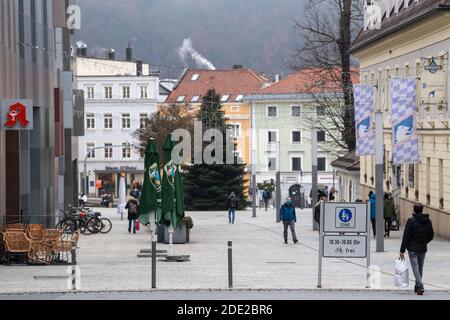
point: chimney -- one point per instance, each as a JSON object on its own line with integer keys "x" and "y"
{"x": 277, "y": 78}
{"x": 139, "y": 68}
{"x": 237, "y": 66}
{"x": 81, "y": 49}
{"x": 111, "y": 54}
{"x": 129, "y": 53}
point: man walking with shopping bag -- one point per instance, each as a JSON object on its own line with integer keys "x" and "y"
{"x": 418, "y": 233}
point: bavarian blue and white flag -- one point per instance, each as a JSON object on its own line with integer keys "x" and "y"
{"x": 364, "y": 104}
{"x": 405, "y": 141}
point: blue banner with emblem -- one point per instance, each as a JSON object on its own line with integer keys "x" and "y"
{"x": 404, "y": 128}
{"x": 364, "y": 107}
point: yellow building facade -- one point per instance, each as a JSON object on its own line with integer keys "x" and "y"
{"x": 414, "y": 42}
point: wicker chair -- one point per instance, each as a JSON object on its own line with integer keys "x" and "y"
{"x": 63, "y": 247}
{"x": 2, "y": 248}
{"x": 15, "y": 227}
{"x": 35, "y": 232}
{"x": 16, "y": 244}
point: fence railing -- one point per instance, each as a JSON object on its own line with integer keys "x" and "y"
{"x": 48, "y": 221}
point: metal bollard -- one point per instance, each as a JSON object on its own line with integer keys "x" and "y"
{"x": 154, "y": 263}
{"x": 74, "y": 264}
{"x": 230, "y": 264}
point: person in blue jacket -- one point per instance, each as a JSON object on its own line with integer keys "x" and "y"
{"x": 289, "y": 218}
{"x": 373, "y": 212}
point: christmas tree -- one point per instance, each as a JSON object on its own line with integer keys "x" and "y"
{"x": 208, "y": 186}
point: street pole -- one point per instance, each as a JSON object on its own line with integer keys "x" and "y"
{"x": 314, "y": 175}
{"x": 379, "y": 180}
{"x": 278, "y": 197}
{"x": 254, "y": 189}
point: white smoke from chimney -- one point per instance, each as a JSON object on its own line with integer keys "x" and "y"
{"x": 187, "y": 50}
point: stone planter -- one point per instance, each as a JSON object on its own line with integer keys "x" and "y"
{"x": 180, "y": 235}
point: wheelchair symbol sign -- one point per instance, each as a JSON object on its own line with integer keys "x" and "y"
{"x": 345, "y": 218}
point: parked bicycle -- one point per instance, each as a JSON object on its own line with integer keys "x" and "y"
{"x": 85, "y": 220}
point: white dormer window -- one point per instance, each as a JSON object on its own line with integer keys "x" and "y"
{"x": 195, "y": 77}
{"x": 225, "y": 98}
{"x": 195, "y": 99}
{"x": 181, "y": 98}
{"x": 239, "y": 98}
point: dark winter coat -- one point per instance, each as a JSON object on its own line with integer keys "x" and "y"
{"x": 389, "y": 208}
{"x": 317, "y": 213}
{"x": 287, "y": 213}
{"x": 373, "y": 208}
{"x": 418, "y": 233}
{"x": 232, "y": 202}
{"x": 132, "y": 216}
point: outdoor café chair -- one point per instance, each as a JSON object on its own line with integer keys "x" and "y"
{"x": 16, "y": 244}
{"x": 63, "y": 247}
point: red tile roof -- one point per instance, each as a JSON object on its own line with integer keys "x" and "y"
{"x": 310, "y": 80}
{"x": 233, "y": 82}
{"x": 414, "y": 12}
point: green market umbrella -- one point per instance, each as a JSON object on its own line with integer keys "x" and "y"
{"x": 150, "y": 200}
{"x": 172, "y": 189}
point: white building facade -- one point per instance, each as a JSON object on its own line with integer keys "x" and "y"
{"x": 116, "y": 106}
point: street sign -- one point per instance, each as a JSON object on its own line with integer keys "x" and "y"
{"x": 345, "y": 246}
{"x": 16, "y": 114}
{"x": 345, "y": 218}
{"x": 344, "y": 233}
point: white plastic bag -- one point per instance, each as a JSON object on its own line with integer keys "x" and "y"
{"x": 401, "y": 276}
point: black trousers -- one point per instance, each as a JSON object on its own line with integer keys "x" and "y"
{"x": 387, "y": 225}
{"x": 374, "y": 226}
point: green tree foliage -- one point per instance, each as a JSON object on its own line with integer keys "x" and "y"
{"x": 207, "y": 187}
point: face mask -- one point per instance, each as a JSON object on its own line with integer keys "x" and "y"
{"x": 289, "y": 202}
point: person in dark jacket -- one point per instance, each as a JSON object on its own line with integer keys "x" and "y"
{"x": 389, "y": 212}
{"x": 289, "y": 218}
{"x": 232, "y": 205}
{"x": 373, "y": 212}
{"x": 317, "y": 210}
{"x": 266, "y": 198}
{"x": 418, "y": 233}
{"x": 132, "y": 206}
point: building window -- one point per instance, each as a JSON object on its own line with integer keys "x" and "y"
{"x": 272, "y": 112}
{"x": 296, "y": 111}
{"x": 296, "y": 137}
{"x": 272, "y": 164}
{"x": 271, "y": 136}
{"x": 181, "y": 98}
{"x": 239, "y": 98}
{"x": 90, "y": 121}
{"x": 126, "y": 151}
{"x": 90, "y": 151}
{"x": 236, "y": 129}
{"x": 90, "y": 93}
{"x": 321, "y": 164}
{"x": 195, "y": 77}
{"x": 225, "y": 98}
{"x": 235, "y": 109}
{"x": 321, "y": 136}
{"x": 126, "y": 92}
{"x": 108, "y": 151}
{"x": 195, "y": 99}
{"x": 126, "y": 121}
{"x": 296, "y": 164}
{"x": 143, "y": 120}
{"x": 321, "y": 111}
{"x": 144, "y": 92}
{"x": 108, "y": 121}
{"x": 108, "y": 92}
